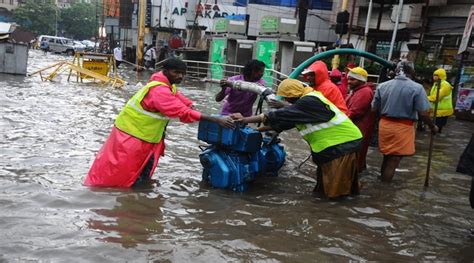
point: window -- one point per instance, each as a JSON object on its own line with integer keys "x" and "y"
{"x": 11, "y": 2}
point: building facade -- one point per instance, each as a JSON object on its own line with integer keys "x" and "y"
{"x": 12, "y": 4}
{"x": 182, "y": 14}
{"x": 9, "y": 4}
{"x": 432, "y": 30}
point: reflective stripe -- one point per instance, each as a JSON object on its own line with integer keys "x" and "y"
{"x": 150, "y": 114}
{"x": 316, "y": 127}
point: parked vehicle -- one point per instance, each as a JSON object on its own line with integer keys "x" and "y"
{"x": 78, "y": 46}
{"x": 59, "y": 44}
{"x": 90, "y": 45}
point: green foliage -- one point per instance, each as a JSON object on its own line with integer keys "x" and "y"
{"x": 37, "y": 16}
{"x": 79, "y": 21}
{"x": 425, "y": 71}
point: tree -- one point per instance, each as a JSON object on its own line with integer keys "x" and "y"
{"x": 36, "y": 16}
{"x": 79, "y": 21}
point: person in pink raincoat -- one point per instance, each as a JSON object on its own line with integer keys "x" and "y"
{"x": 137, "y": 140}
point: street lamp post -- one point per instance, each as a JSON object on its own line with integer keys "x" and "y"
{"x": 366, "y": 32}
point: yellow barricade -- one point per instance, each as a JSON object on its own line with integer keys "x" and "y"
{"x": 100, "y": 67}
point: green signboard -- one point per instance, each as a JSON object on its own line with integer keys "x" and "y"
{"x": 269, "y": 24}
{"x": 220, "y": 25}
{"x": 218, "y": 46}
{"x": 266, "y": 50}
{"x": 383, "y": 48}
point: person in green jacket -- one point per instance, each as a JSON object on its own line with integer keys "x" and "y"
{"x": 445, "y": 100}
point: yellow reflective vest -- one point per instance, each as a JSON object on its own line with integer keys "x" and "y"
{"x": 338, "y": 130}
{"x": 140, "y": 123}
{"x": 445, "y": 102}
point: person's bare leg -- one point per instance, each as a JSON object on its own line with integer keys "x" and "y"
{"x": 390, "y": 163}
{"x": 384, "y": 163}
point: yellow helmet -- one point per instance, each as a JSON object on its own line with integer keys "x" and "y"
{"x": 358, "y": 73}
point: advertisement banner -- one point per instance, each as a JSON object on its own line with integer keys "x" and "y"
{"x": 218, "y": 46}
{"x": 179, "y": 14}
{"x": 266, "y": 52}
{"x": 465, "y": 100}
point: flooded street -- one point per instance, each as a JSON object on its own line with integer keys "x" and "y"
{"x": 50, "y": 132}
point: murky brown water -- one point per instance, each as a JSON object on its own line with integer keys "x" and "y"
{"x": 50, "y": 132}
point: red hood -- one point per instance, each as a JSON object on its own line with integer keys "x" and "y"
{"x": 335, "y": 73}
{"x": 159, "y": 76}
{"x": 321, "y": 71}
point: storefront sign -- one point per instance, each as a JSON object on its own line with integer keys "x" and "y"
{"x": 269, "y": 24}
{"x": 220, "y": 25}
{"x": 177, "y": 14}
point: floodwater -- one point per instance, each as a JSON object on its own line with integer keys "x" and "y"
{"x": 50, "y": 132}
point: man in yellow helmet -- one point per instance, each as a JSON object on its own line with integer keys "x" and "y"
{"x": 359, "y": 104}
{"x": 333, "y": 138}
{"x": 445, "y": 100}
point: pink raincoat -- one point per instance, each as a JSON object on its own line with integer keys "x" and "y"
{"x": 123, "y": 157}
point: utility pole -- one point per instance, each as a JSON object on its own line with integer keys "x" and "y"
{"x": 422, "y": 33}
{"x": 102, "y": 30}
{"x": 56, "y": 17}
{"x": 395, "y": 29}
{"x": 96, "y": 24}
{"x": 335, "y": 60}
{"x": 141, "y": 30}
{"x": 366, "y": 32}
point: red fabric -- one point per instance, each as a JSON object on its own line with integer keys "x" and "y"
{"x": 343, "y": 87}
{"x": 359, "y": 111}
{"x": 335, "y": 73}
{"x": 176, "y": 42}
{"x": 326, "y": 87}
{"x": 351, "y": 65}
{"x": 122, "y": 157}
